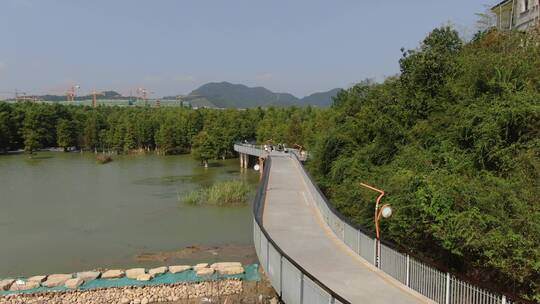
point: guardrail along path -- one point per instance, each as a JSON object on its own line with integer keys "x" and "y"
{"x": 292, "y": 220}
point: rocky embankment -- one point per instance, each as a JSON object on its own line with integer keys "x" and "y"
{"x": 223, "y": 291}
{"x": 69, "y": 288}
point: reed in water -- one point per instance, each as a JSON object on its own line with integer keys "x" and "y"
{"x": 103, "y": 159}
{"x": 220, "y": 194}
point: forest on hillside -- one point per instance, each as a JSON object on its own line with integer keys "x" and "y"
{"x": 454, "y": 140}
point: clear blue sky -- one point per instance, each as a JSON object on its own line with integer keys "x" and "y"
{"x": 173, "y": 46}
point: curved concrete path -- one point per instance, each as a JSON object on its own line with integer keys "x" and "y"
{"x": 295, "y": 224}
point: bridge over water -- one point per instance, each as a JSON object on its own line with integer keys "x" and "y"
{"x": 312, "y": 254}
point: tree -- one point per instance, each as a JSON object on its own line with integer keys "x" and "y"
{"x": 5, "y": 132}
{"x": 424, "y": 71}
{"x": 37, "y": 129}
{"x": 66, "y": 134}
{"x": 165, "y": 138}
{"x": 203, "y": 148}
{"x": 92, "y": 127}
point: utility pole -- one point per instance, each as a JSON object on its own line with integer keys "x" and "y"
{"x": 17, "y": 94}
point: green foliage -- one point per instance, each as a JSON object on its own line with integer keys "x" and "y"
{"x": 37, "y": 126}
{"x": 66, "y": 133}
{"x": 5, "y": 132}
{"x": 227, "y": 193}
{"x": 204, "y": 148}
{"x": 454, "y": 142}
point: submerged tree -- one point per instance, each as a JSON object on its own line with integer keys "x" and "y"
{"x": 203, "y": 148}
{"x": 66, "y": 133}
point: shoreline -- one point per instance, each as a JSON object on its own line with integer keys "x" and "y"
{"x": 90, "y": 280}
{"x": 218, "y": 291}
{"x": 226, "y": 282}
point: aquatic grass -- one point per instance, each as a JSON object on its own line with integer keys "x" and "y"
{"x": 195, "y": 197}
{"x": 103, "y": 159}
{"x": 220, "y": 194}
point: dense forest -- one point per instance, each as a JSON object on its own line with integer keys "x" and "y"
{"x": 206, "y": 133}
{"x": 454, "y": 140}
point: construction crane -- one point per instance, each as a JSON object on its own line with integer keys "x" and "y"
{"x": 71, "y": 92}
{"x": 16, "y": 93}
{"x": 144, "y": 94}
{"x": 94, "y": 98}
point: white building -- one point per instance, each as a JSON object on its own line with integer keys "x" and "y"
{"x": 519, "y": 15}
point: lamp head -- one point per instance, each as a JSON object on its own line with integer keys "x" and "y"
{"x": 386, "y": 211}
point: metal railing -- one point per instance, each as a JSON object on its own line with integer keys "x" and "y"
{"x": 295, "y": 285}
{"x": 292, "y": 283}
{"x": 441, "y": 287}
{"x": 255, "y": 150}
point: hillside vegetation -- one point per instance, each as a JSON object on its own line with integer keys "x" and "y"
{"x": 454, "y": 140}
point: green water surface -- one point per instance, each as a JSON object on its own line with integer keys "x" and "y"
{"x": 62, "y": 212}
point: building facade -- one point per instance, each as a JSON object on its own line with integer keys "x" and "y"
{"x": 519, "y": 15}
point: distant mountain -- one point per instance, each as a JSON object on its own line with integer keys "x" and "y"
{"x": 322, "y": 99}
{"x": 228, "y": 95}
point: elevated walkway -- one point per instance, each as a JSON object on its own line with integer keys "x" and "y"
{"x": 313, "y": 255}
{"x": 292, "y": 220}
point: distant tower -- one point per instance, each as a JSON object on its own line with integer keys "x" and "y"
{"x": 158, "y": 103}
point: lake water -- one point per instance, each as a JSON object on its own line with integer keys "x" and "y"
{"x": 63, "y": 212}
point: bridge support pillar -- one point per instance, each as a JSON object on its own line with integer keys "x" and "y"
{"x": 244, "y": 160}
{"x": 261, "y": 167}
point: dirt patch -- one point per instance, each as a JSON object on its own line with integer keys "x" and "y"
{"x": 244, "y": 254}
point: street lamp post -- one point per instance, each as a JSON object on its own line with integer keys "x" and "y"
{"x": 385, "y": 211}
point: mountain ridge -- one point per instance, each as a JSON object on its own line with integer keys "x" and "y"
{"x": 228, "y": 95}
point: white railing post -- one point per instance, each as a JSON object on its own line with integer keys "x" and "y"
{"x": 408, "y": 270}
{"x": 280, "y": 275}
{"x": 447, "y": 298}
{"x": 358, "y": 237}
{"x": 267, "y": 254}
{"x": 376, "y": 253}
{"x": 503, "y": 299}
{"x": 302, "y": 287}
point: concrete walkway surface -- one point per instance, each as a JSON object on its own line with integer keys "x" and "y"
{"x": 292, "y": 220}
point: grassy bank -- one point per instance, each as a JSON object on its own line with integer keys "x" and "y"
{"x": 226, "y": 193}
